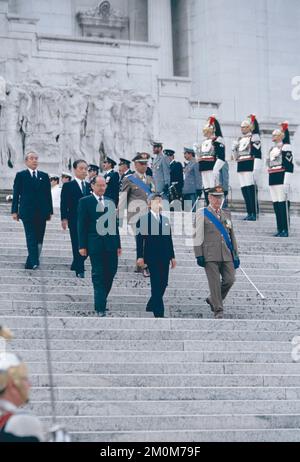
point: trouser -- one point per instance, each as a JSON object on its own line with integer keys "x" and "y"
{"x": 249, "y": 191}
{"x": 208, "y": 180}
{"x": 281, "y": 207}
{"x": 189, "y": 201}
{"x": 34, "y": 232}
{"x": 78, "y": 260}
{"x": 159, "y": 277}
{"x": 104, "y": 268}
{"x": 221, "y": 277}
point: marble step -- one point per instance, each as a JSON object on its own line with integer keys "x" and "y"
{"x": 167, "y": 393}
{"x": 163, "y": 380}
{"x": 169, "y": 408}
{"x": 175, "y": 423}
{"x": 261, "y": 435}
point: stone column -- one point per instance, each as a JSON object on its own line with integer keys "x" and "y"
{"x": 160, "y": 32}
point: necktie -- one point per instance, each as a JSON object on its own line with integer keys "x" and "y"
{"x": 83, "y": 188}
{"x": 34, "y": 176}
{"x": 101, "y": 202}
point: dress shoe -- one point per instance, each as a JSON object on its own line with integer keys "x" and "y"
{"x": 80, "y": 275}
{"x": 283, "y": 234}
{"x": 101, "y": 314}
{"x": 208, "y": 302}
{"x": 219, "y": 315}
{"x": 146, "y": 273}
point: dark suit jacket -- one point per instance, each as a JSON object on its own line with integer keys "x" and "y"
{"x": 113, "y": 186}
{"x": 31, "y": 195}
{"x": 88, "y": 235}
{"x": 70, "y": 196}
{"x": 176, "y": 173}
{"x": 154, "y": 241}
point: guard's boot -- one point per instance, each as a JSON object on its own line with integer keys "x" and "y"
{"x": 246, "y": 197}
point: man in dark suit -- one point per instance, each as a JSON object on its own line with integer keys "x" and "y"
{"x": 155, "y": 248}
{"x": 70, "y": 194}
{"x": 99, "y": 238}
{"x": 176, "y": 172}
{"x": 112, "y": 180}
{"x": 32, "y": 203}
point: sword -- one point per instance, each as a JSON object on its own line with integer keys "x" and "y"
{"x": 257, "y": 208}
{"x": 287, "y": 211}
{"x": 252, "y": 283}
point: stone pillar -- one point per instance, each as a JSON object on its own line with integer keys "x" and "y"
{"x": 3, "y": 16}
{"x": 160, "y": 32}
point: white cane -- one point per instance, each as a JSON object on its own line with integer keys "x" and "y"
{"x": 252, "y": 283}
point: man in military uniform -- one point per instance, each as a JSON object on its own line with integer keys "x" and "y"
{"x": 93, "y": 170}
{"x": 211, "y": 154}
{"x": 124, "y": 170}
{"x": 176, "y": 175}
{"x": 280, "y": 168}
{"x": 161, "y": 170}
{"x": 66, "y": 177}
{"x": 216, "y": 250}
{"x": 224, "y": 182}
{"x": 136, "y": 189}
{"x": 192, "y": 187}
{"x": 112, "y": 180}
{"x": 247, "y": 153}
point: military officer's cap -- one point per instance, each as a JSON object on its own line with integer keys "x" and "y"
{"x": 169, "y": 152}
{"x": 216, "y": 191}
{"x": 66, "y": 175}
{"x": 156, "y": 144}
{"x": 189, "y": 151}
{"x": 54, "y": 177}
{"x": 124, "y": 162}
{"x": 93, "y": 168}
{"x": 110, "y": 161}
{"x": 141, "y": 157}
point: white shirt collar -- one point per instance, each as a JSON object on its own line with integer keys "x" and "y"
{"x": 31, "y": 171}
{"x": 79, "y": 181}
{"x": 108, "y": 171}
{"x": 157, "y": 216}
{"x": 98, "y": 197}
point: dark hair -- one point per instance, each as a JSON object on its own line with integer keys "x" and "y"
{"x": 77, "y": 162}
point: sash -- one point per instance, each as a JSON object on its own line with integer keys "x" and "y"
{"x": 217, "y": 223}
{"x": 140, "y": 184}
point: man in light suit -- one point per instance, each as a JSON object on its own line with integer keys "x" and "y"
{"x": 214, "y": 251}
{"x": 70, "y": 194}
{"x": 161, "y": 170}
{"x": 192, "y": 187}
{"x": 32, "y": 203}
{"x": 100, "y": 242}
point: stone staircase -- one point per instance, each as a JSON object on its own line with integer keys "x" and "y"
{"x": 130, "y": 377}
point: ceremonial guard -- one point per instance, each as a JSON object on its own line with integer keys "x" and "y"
{"x": 136, "y": 189}
{"x": 124, "y": 170}
{"x": 161, "y": 170}
{"x": 215, "y": 249}
{"x": 210, "y": 154}
{"x": 155, "y": 248}
{"x": 112, "y": 180}
{"x": 280, "y": 167}
{"x": 247, "y": 153}
{"x": 192, "y": 187}
{"x": 176, "y": 176}
{"x": 55, "y": 190}
{"x": 16, "y": 424}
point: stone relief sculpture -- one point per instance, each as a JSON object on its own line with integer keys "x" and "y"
{"x": 83, "y": 119}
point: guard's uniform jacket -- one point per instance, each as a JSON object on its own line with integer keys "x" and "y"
{"x": 279, "y": 162}
{"x": 248, "y": 149}
{"x": 209, "y": 151}
{"x": 16, "y": 426}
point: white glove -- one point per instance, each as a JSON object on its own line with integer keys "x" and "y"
{"x": 235, "y": 144}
